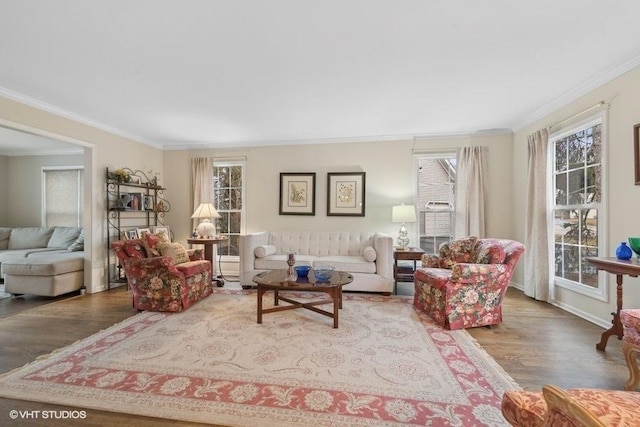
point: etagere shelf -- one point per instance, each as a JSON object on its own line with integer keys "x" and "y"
{"x": 134, "y": 201}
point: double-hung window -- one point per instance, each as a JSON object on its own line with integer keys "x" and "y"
{"x": 228, "y": 187}
{"x": 577, "y": 205}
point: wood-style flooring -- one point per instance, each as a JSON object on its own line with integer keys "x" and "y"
{"x": 536, "y": 344}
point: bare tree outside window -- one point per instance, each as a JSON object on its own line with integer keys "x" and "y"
{"x": 228, "y": 188}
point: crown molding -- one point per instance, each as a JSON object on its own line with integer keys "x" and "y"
{"x": 41, "y": 105}
{"x": 608, "y": 74}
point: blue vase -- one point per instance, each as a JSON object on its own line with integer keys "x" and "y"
{"x": 623, "y": 251}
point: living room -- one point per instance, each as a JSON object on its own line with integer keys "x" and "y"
{"x": 389, "y": 164}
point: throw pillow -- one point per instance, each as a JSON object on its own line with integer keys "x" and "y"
{"x": 264, "y": 250}
{"x": 370, "y": 254}
{"x": 461, "y": 250}
{"x": 490, "y": 253}
{"x": 78, "y": 245}
{"x": 150, "y": 241}
{"x": 175, "y": 251}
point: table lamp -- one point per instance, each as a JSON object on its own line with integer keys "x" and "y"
{"x": 403, "y": 214}
{"x": 206, "y": 229}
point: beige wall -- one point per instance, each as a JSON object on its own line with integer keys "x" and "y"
{"x": 4, "y": 188}
{"x": 102, "y": 149}
{"x": 390, "y": 180}
{"x": 622, "y": 221}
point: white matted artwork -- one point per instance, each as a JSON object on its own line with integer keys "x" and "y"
{"x": 345, "y": 193}
{"x": 297, "y": 193}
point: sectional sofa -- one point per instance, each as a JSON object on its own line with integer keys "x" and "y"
{"x": 368, "y": 256}
{"x": 46, "y": 261}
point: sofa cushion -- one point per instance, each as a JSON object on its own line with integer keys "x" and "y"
{"x": 370, "y": 254}
{"x": 150, "y": 241}
{"x": 351, "y": 264}
{"x": 30, "y": 237}
{"x": 5, "y": 233}
{"x": 264, "y": 250}
{"x": 174, "y": 250}
{"x": 462, "y": 250}
{"x": 63, "y": 237}
{"x": 44, "y": 266}
{"x": 78, "y": 245}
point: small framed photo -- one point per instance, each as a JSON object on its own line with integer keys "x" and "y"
{"x": 141, "y": 231}
{"x": 132, "y": 234}
{"x": 298, "y": 193}
{"x": 148, "y": 203}
{"x": 162, "y": 229}
{"x": 345, "y": 193}
{"x": 134, "y": 179}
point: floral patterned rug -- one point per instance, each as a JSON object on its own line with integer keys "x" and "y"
{"x": 386, "y": 364}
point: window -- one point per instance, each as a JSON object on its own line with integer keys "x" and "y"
{"x": 63, "y": 190}
{"x": 577, "y": 206}
{"x": 436, "y": 186}
{"x": 228, "y": 185}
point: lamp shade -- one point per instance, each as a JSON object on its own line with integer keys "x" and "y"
{"x": 206, "y": 210}
{"x": 403, "y": 213}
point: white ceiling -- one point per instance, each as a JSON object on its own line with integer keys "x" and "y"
{"x": 187, "y": 73}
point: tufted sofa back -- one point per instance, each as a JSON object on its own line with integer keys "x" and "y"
{"x": 321, "y": 243}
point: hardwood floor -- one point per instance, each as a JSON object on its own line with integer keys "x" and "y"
{"x": 536, "y": 344}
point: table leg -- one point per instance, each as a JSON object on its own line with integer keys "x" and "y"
{"x": 337, "y": 303}
{"x": 276, "y": 298}
{"x": 616, "y": 328}
{"x": 260, "y": 293}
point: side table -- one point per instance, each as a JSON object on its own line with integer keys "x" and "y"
{"x": 208, "y": 254}
{"x": 403, "y": 273}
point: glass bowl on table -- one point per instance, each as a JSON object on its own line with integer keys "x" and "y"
{"x": 302, "y": 270}
{"x": 323, "y": 273}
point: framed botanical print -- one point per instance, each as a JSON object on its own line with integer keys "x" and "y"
{"x": 636, "y": 151}
{"x": 298, "y": 193}
{"x": 345, "y": 193}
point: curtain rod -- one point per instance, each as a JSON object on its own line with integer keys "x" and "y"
{"x": 593, "y": 107}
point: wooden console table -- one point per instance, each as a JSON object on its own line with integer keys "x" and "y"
{"x": 619, "y": 268}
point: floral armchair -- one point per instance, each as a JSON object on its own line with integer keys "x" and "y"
{"x": 163, "y": 282}
{"x": 464, "y": 285}
{"x": 554, "y": 407}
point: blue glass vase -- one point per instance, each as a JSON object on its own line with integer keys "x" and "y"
{"x": 623, "y": 251}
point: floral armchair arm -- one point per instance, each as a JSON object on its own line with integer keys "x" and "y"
{"x": 156, "y": 277}
{"x": 430, "y": 261}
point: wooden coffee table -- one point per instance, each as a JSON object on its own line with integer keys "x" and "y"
{"x": 274, "y": 280}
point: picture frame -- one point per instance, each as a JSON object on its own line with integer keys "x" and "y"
{"x": 135, "y": 202}
{"x": 134, "y": 179}
{"x": 132, "y": 234}
{"x": 297, "y": 193}
{"x": 148, "y": 202}
{"x": 346, "y": 193}
{"x": 636, "y": 152}
{"x": 162, "y": 228}
{"x": 142, "y": 230}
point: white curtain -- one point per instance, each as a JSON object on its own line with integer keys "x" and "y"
{"x": 536, "y": 257}
{"x": 471, "y": 192}
{"x": 202, "y": 183}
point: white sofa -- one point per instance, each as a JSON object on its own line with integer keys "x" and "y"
{"x": 367, "y": 256}
{"x": 46, "y": 261}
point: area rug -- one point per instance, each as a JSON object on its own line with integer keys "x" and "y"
{"x": 387, "y": 364}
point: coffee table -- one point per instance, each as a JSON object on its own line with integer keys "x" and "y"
{"x": 275, "y": 280}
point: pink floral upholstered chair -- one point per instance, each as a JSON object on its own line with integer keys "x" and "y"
{"x": 162, "y": 275}
{"x": 463, "y": 286}
{"x": 554, "y": 407}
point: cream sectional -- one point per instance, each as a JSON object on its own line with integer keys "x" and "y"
{"x": 47, "y": 261}
{"x": 367, "y": 256}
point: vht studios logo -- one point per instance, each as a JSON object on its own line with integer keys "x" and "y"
{"x": 47, "y": 415}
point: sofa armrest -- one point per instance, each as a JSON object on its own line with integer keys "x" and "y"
{"x": 383, "y": 244}
{"x": 247, "y": 245}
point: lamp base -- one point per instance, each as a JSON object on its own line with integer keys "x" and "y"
{"x": 403, "y": 238}
{"x": 206, "y": 229}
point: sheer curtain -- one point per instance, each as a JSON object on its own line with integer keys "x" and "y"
{"x": 471, "y": 191}
{"x": 536, "y": 257}
{"x": 202, "y": 183}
